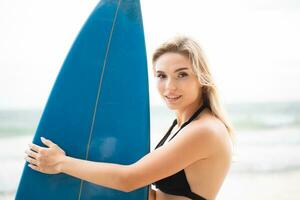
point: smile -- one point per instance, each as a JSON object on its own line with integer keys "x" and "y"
{"x": 173, "y": 97}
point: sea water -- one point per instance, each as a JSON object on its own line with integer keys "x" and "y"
{"x": 266, "y": 162}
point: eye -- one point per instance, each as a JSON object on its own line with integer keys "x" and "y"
{"x": 182, "y": 74}
{"x": 161, "y": 76}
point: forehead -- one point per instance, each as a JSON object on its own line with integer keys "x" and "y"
{"x": 171, "y": 62}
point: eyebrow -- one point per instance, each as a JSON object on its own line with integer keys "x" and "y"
{"x": 177, "y": 70}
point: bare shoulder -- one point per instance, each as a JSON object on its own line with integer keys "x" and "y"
{"x": 212, "y": 125}
{"x": 210, "y": 131}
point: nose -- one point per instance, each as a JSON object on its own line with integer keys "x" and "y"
{"x": 170, "y": 84}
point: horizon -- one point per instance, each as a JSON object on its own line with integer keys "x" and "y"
{"x": 163, "y": 106}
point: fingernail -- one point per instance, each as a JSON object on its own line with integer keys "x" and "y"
{"x": 42, "y": 138}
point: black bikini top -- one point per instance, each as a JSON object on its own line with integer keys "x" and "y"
{"x": 177, "y": 184}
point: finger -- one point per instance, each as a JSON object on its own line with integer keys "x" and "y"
{"x": 31, "y": 160}
{"x": 47, "y": 142}
{"x": 36, "y": 168}
{"x": 31, "y": 153}
{"x": 35, "y": 147}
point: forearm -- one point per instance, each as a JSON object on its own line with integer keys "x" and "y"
{"x": 105, "y": 174}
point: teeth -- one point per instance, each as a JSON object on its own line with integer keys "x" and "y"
{"x": 172, "y": 97}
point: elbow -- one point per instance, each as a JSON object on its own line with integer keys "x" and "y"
{"x": 129, "y": 188}
{"x": 129, "y": 182}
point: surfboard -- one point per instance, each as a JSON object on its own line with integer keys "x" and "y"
{"x": 98, "y": 108}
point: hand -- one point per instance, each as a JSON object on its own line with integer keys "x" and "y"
{"x": 45, "y": 160}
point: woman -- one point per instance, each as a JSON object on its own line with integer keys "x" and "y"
{"x": 194, "y": 161}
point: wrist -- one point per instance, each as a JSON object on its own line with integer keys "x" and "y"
{"x": 62, "y": 163}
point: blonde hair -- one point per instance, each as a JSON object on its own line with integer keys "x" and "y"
{"x": 189, "y": 48}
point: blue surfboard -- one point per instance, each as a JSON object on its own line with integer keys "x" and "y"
{"x": 98, "y": 108}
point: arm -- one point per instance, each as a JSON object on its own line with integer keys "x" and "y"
{"x": 105, "y": 174}
{"x": 53, "y": 160}
{"x": 192, "y": 144}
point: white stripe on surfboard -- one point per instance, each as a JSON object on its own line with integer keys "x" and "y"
{"x": 99, "y": 91}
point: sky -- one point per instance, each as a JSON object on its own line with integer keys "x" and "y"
{"x": 252, "y": 46}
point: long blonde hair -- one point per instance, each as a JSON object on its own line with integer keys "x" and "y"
{"x": 189, "y": 48}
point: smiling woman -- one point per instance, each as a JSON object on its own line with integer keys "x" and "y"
{"x": 186, "y": 85}
{"x": 191, "y": 165}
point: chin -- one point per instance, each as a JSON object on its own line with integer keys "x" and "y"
{"x": 173, "y": 107}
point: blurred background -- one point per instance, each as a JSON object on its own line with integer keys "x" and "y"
{"x": 253, "y": 50}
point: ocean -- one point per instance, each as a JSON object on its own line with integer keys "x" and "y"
{"x": 266, "y": 161}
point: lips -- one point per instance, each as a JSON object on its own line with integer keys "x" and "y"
{"x": 172, "y": 98}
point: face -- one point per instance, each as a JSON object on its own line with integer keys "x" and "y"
{"x": 177, "y": 84}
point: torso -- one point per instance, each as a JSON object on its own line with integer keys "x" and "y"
{"x": 206, "y": 176}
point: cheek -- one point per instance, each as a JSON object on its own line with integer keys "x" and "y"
{"x": 193, "y": 90}
{"x": 160, "y": 86}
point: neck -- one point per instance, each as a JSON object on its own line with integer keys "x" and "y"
{"x": 184, "y": 114}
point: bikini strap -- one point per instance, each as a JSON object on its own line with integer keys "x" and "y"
{"x": 190, "y": 120}
{"x": 183, "y": 125}
{"x": 167, "y": 134}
